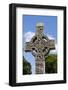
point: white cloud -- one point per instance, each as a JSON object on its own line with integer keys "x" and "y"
{"x": 50, "y": 37}
{"x": 28, "y": 36}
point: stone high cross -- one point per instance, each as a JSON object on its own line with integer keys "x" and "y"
{"x": 39, "y": 46}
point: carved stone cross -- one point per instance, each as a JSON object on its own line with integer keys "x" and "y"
{"x": 39, "y": 46}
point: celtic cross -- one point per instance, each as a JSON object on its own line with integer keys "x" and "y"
{"x": 40, "y": 46}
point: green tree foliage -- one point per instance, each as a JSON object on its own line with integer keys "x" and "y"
{"x": 51, "y": 64}
{"x": 26, "y": 67}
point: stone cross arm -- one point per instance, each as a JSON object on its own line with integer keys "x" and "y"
{"x": 28, "y": 47}
{"x": 48, "y": 44}
{"x": 51, "y": 44}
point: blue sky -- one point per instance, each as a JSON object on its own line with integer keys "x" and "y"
{"x": 29, "y": 28}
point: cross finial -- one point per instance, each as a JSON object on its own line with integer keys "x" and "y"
{"x": 39, "y": 28}
{"x": 39, "y": 24}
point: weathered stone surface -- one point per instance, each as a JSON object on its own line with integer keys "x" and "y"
{"x": 40, "y": 46}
